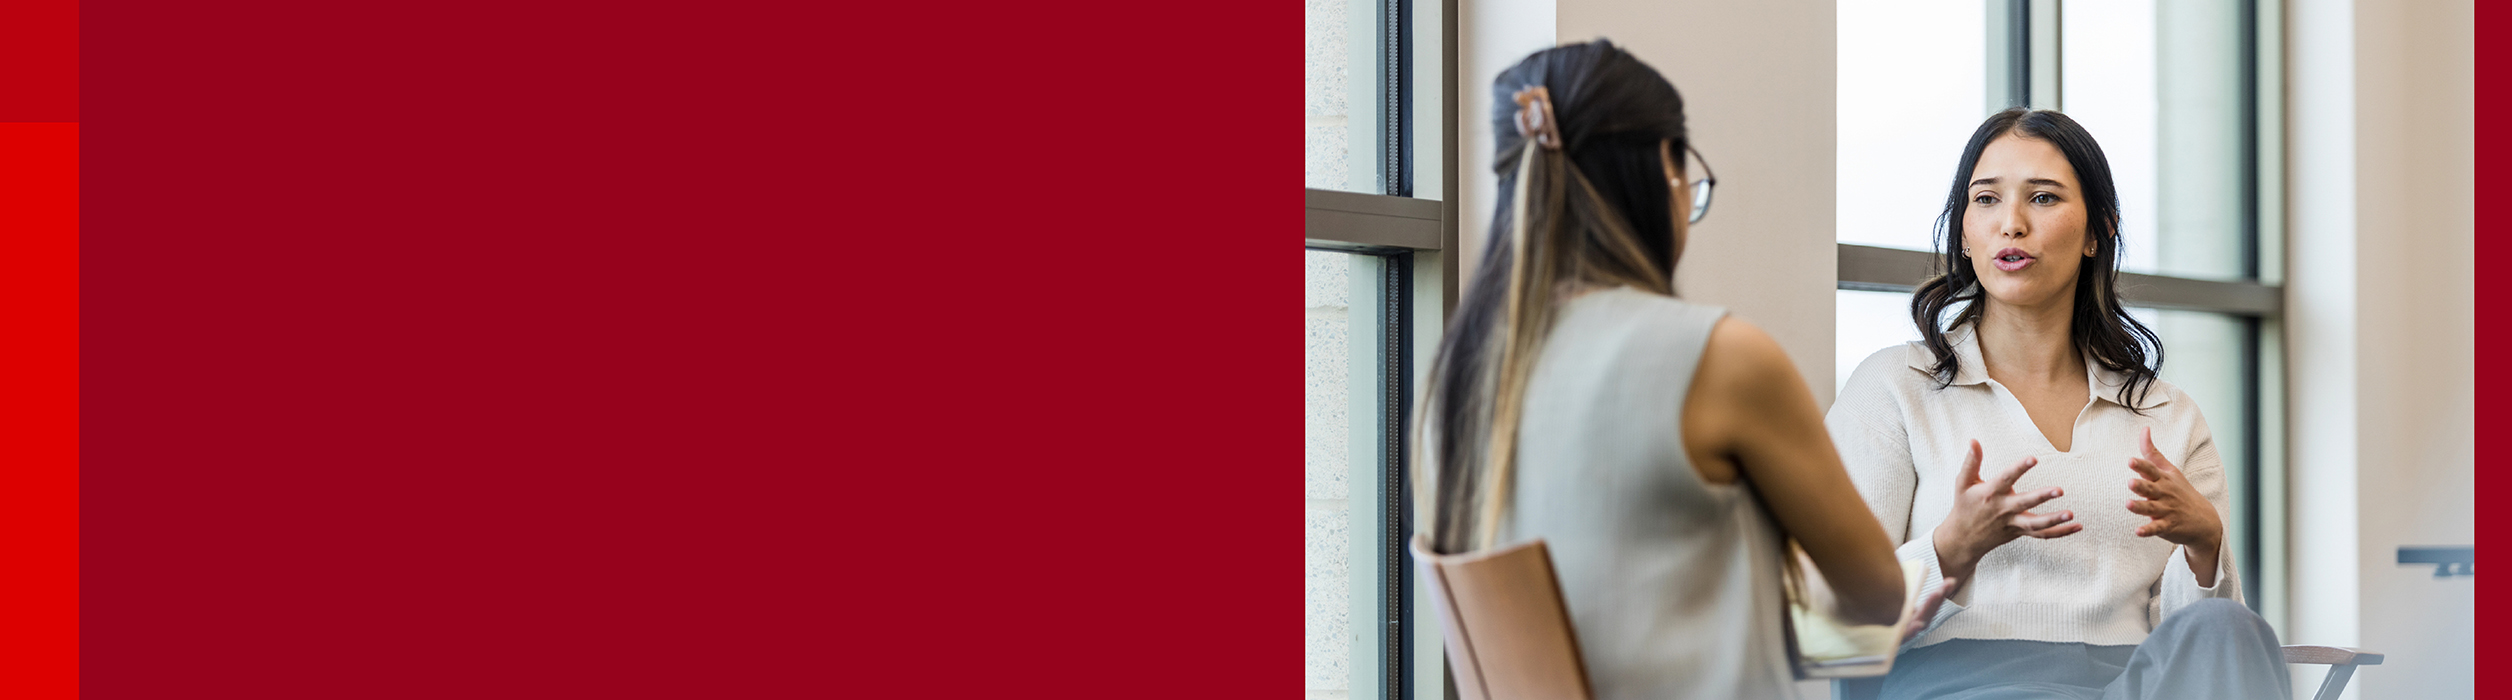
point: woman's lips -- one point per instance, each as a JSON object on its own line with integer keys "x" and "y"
{"x": 2013, "y": 259}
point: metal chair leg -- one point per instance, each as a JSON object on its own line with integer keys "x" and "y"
{"x": 2335, "y": 683}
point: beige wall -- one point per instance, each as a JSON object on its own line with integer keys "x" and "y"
{"x": 2381, "y": 297}
{"x": 1757, "y": 86}
{"x": 2415, "y": 112}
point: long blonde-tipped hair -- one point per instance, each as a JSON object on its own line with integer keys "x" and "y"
{"x": 1557, "y": 229}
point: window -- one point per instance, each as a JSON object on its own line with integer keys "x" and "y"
{"x": 1372, "y": 322}
{"x": 2198, "y": 195}
{"x": 1378, "y": 286}
{"x": 2211, "y": 358}
{"x": 2179, "y": 140}
{"x": 1355, "y": 395}
{"x": 1911, "y": 80}
{"x": 1355, "y": 78}
{"x": 1869, "y": 321}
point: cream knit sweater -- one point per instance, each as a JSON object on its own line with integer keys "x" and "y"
{"x": 1903, "y": 439}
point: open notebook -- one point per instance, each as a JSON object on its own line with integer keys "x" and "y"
{"x": 1821, "y": 645}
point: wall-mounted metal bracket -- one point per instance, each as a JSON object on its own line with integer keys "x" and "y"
{"x": 2447, "y": 561}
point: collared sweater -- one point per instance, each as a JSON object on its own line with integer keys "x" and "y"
{"x": 1903, "y": 440}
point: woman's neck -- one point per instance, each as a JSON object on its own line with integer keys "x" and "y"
{"x": 2030, "y": 343}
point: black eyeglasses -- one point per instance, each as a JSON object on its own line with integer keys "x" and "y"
{"x": 1700, "y": 187}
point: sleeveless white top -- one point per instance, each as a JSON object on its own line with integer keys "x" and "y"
{"x": 1673, "y": 583}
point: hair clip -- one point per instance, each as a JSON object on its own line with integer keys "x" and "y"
{"x": 1535, "y": 117}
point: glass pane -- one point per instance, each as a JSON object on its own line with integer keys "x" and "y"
{"x": 2174, "y": 138}
{"x": 2107, "y": 82}
{"x": 1343, "y": 90}
{"x": 1912, "y": 82}
{"x": 1329, "y": 599}
{"x": 2204, "y": 356}
{"x": 1867, "y": 322}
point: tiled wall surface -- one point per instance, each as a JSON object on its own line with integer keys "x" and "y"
{"x": 1329, "y": 87}
{"x": 1329, "y": 584}
{"x": 1329, "y": 590}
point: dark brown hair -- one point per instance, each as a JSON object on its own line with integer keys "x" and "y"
{"x": 1597, "y": 211}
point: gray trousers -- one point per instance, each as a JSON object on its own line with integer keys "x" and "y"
{"x": 2212, "y": 649}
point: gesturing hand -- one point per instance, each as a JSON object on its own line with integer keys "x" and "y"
{"x": 1988, "y": 514}
{"x": 2174, "y": 509}
{"x": 1927, "y": 610}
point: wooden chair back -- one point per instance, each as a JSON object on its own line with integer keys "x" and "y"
{"x": 1508, "y": 632}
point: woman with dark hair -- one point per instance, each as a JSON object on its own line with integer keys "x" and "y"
{"x": 1662, "y": 449}
{"x": 2095, "y": 565}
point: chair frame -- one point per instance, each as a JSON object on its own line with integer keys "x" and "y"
{"x": 2340, "y": 660}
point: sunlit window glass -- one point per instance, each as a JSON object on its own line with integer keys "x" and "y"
{"x": 2174, "y": 137}
{"x": 1911, "y": 89}
{"x": 1344, "y": 90}
{"x": 1868, "y": 322}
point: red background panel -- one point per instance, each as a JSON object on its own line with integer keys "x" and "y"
{"x": 754, "y": 350}
{"x": 39, "y": 61}
{"x": 2494, "y": 314}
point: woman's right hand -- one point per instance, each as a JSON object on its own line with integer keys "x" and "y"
{"x": 1988, "y": 514}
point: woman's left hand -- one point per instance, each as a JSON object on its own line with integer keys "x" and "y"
{"x": 2175, "y": 510}
{"x": 1928, "y": 605}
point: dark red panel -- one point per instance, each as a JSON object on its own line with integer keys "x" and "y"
{"x": 2494, "y": 309}
{"x": 612, "y": 350}
{"x": 39, "y": 61}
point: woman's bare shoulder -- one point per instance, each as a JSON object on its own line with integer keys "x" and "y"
{"x": 1740, "y": 346}
{"x": 1743, "y": 365}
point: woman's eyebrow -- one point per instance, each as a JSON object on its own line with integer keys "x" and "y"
{"x": 2042, "y": 181}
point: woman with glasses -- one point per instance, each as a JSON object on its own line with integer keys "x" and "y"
{"x": 2088, "y": 559}
{"x": 1663, "y": 449}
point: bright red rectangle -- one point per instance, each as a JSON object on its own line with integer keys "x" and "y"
{"x": 39, "y": 415}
